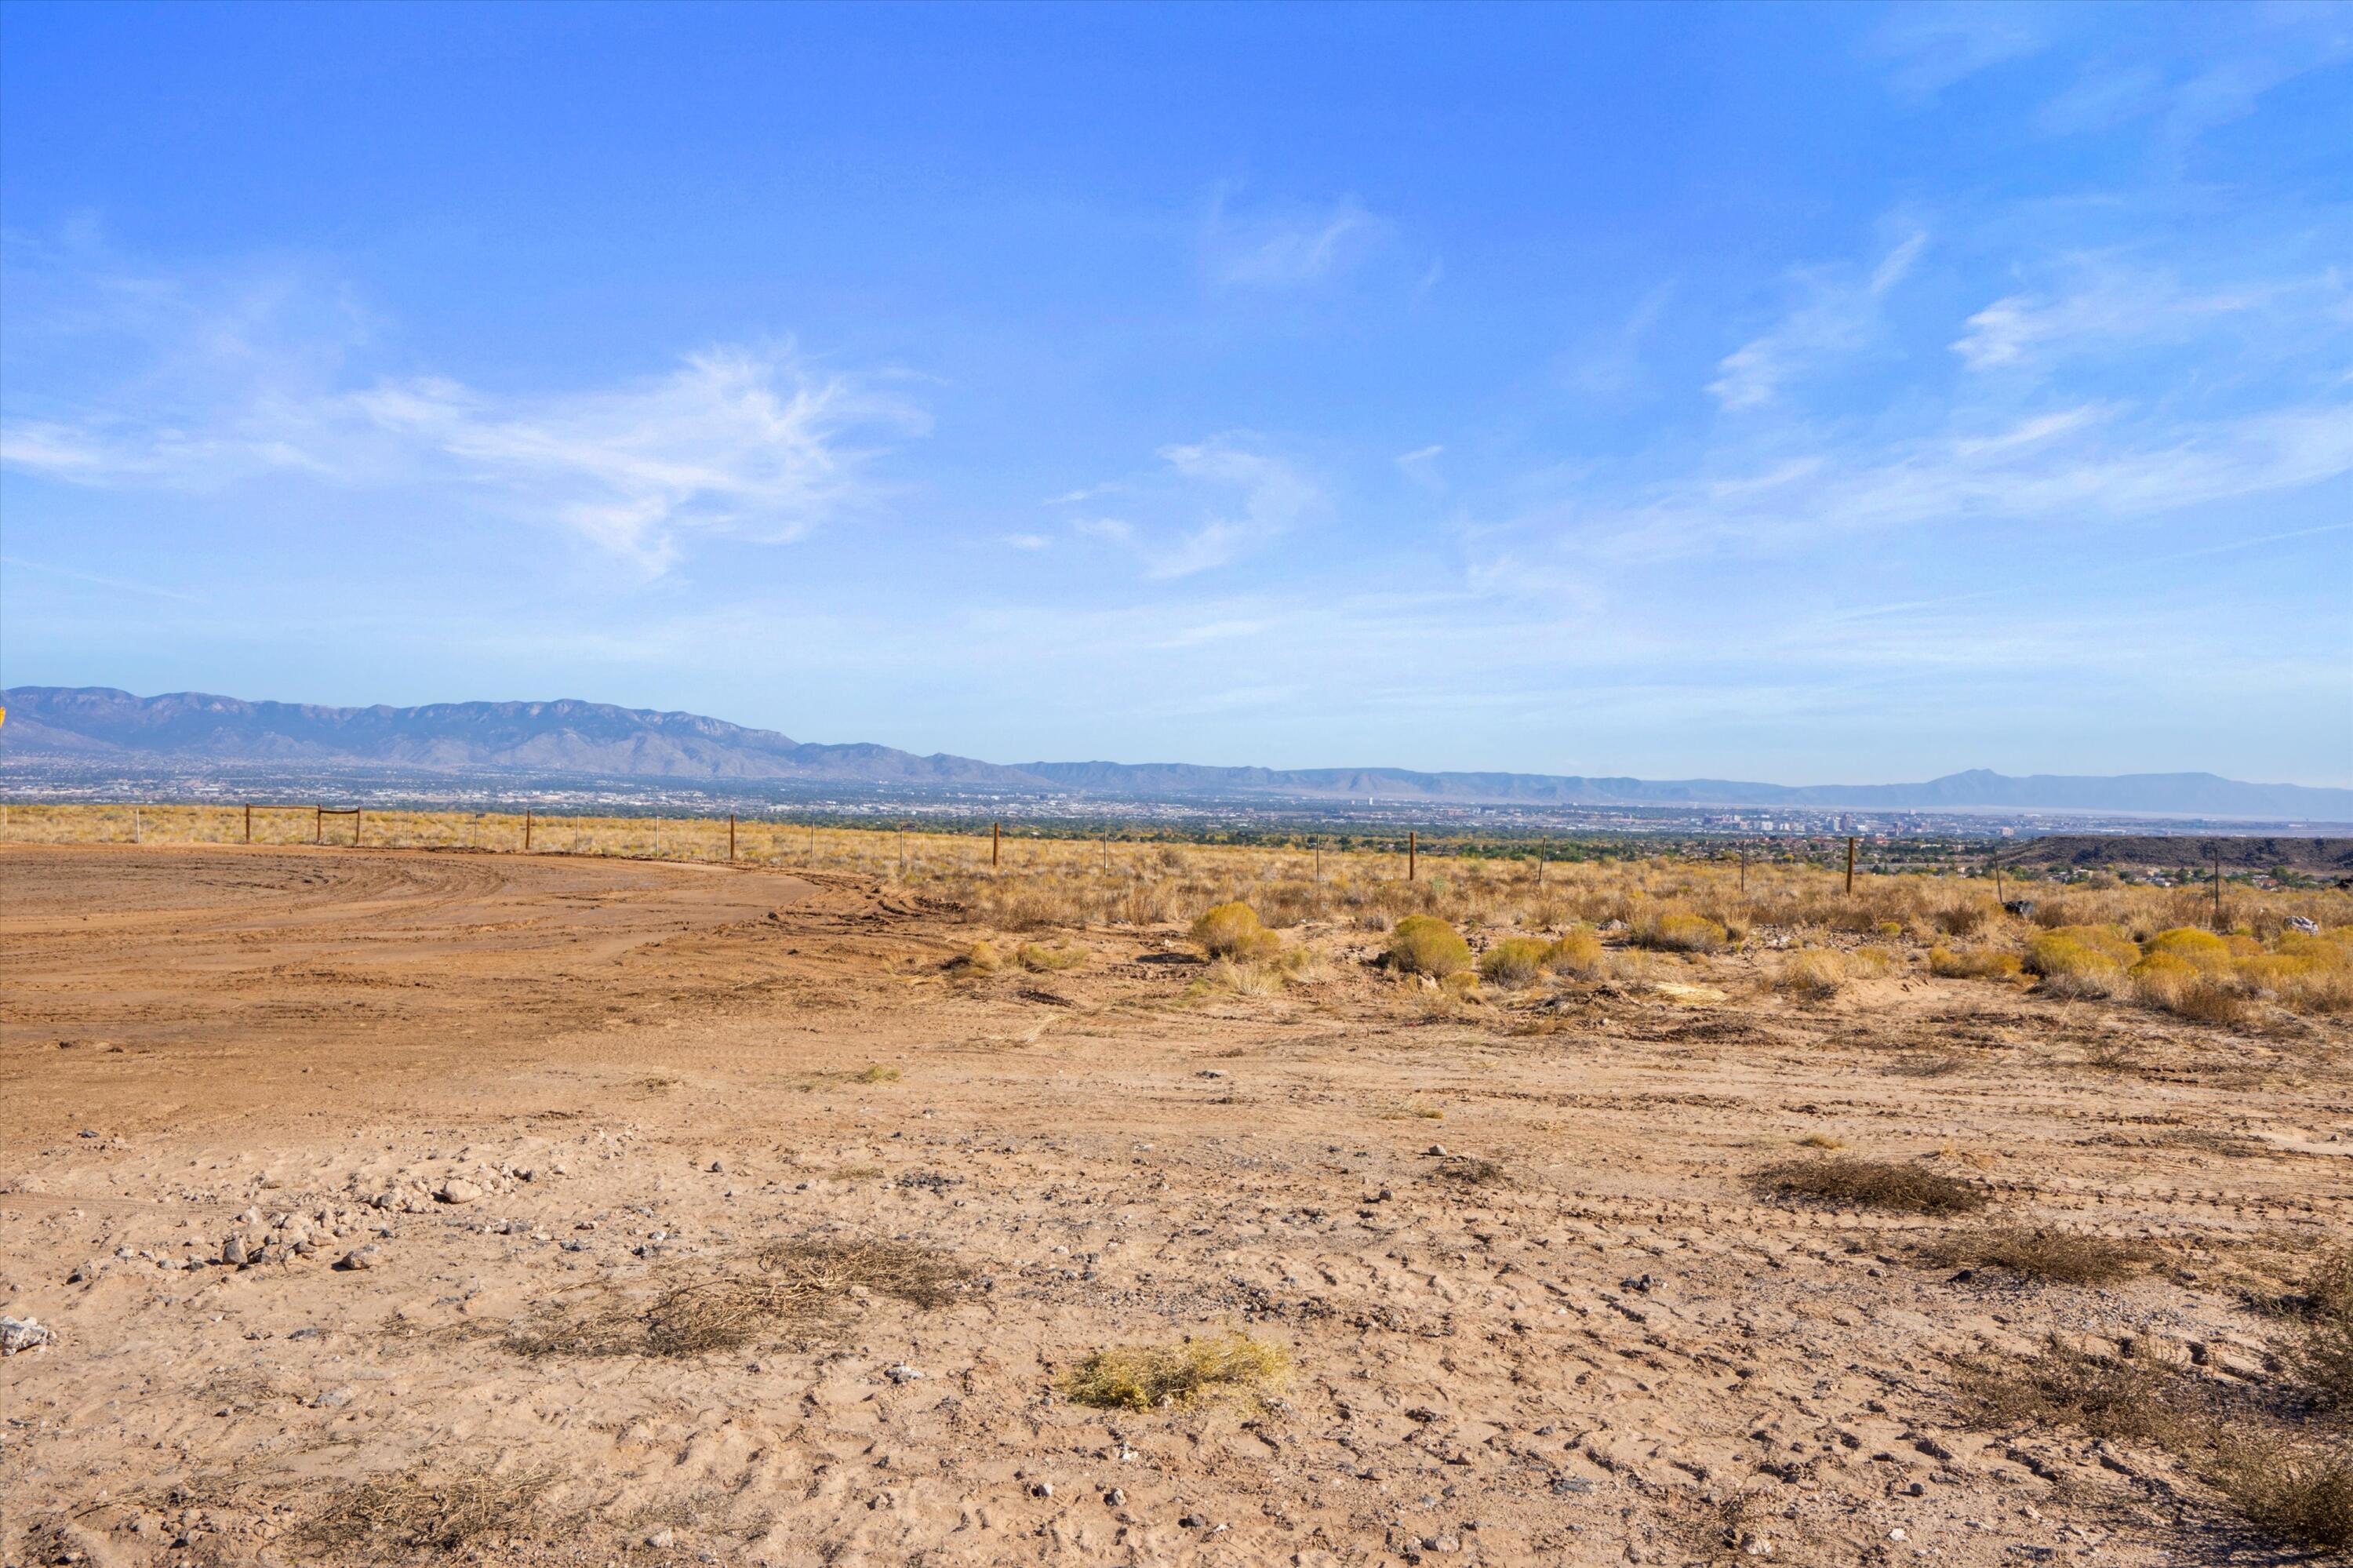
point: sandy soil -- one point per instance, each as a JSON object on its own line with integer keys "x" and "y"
{"x": 1606, "y": 1349}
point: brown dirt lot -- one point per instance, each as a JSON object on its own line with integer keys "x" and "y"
{"x": 1577, "y": 1334}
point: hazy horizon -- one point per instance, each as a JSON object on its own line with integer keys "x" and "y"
{"x": 1797, "y": 394}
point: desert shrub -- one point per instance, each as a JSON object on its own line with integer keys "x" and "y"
{"x": 2081, "y": 960}
{"x": 2321, "y": 1356}
{"x": 1964, "y": 919}
{"x": 1680, "y": 933}
{"x": 980, "y": 958}
{"x": 2187, "y": 944}
{"x": 1514, "y": 961}
{"x": 1974, "y": 963}
{"x": 1425, "y": 945}
{"x": 1156, "y": 1377}
{"x": 2186, "y": 989}
{"x": 1870, "y": 1183}
{"x": 1874, "y": 961}
{"x": 1577, "y": 952}
{"x": 2294, "y": 1484}
{"x": 1233, "y": 931}
{"x": 1039, "y": 958}
{"x": 2298, "y": 1489}
{"x": 2061, "y": 1386}
{"x": 1812, "y": 974}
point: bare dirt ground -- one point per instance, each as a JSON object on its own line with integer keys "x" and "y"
{"x": 1535, "y": 1310}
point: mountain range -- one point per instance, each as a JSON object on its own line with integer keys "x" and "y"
{"x": 96, "y": 724}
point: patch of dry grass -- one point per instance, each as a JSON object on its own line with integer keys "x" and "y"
{"x": 1681, "y": 932}
{"x": 1165, "y": 1377}
{"x": 1813, "y": 974}
{"x": 427, "y": 1510}
{"x": 796, "y": 1293}
{"x": 1849, "y": 1182}
{"x": 2293, "y": 1481}
{"x": 2061, "y": 1386}
{"x": 2060, "y": 1256}
{"x": 1974, "y": 963}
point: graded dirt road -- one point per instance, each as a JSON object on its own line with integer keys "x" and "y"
{"x": 1534, "y": 1309}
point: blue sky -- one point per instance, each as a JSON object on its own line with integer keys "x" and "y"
{"x": 1799, "y": 394}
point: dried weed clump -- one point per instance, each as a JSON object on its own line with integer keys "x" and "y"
{"x": 2321, "y": 1354}
{"x": 1425, "y": 945}
{"x": 1854, "y": 1182}
{"x": 1163, "y": 1377}
{"x": 2060, "y": 1256}
{"x": 425, "y": 1509}
{"x": 799, "y": 1293}
{"x": 2290, "y": 1478}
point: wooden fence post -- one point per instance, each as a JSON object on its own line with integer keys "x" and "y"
{"x": 317, "y": 824}
{"x": 2218, "y": 887}
{"x": 996, "y": 838}
{"x": 356, "y": 819}
{"x": 1850, "y": 868}
{"x": 1412, "y": 846}
{"x": 731, "y": 838}
{"x": 526, "y": 829}
{"x": 1540, "y": 860}
{"x": 248, "y": 824}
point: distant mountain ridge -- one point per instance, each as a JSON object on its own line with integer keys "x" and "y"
{"x": 576, "y": 738}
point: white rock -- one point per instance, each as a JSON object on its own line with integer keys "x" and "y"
{"x": 24, "y": 1334}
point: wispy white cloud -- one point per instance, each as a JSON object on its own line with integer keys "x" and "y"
{"x": 2080, "y": 468}
{"x": 2102, "y": 303}
{"x": 1610, "y": 363}
{"x": 742, "y": 441}
{"x": 1926, "y": 48}
{"x": 1420, "y": 465}
{"x": 207, "y": 393}
{"x": 1288, "y": 246}
{"x": 1837, "y": 315}
{"x": 1217, "y": 500}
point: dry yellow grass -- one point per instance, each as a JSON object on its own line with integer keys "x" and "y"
{"x": 2083, "y": 940}
{"x": 1162, "y": 1377}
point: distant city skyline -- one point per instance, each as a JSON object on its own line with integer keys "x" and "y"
{"x": 1786, "y": 393}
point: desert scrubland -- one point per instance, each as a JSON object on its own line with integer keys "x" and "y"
{"x": 857, "y": 1203}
